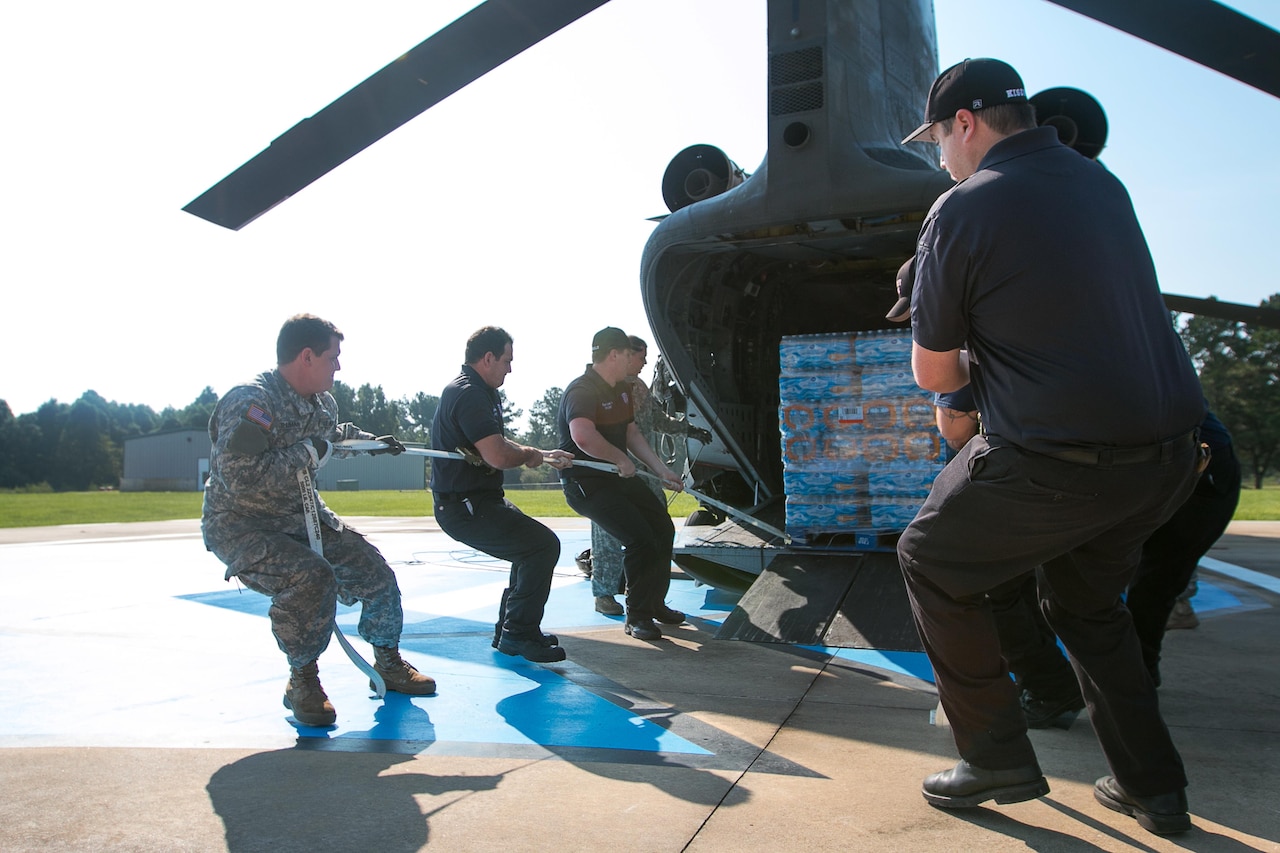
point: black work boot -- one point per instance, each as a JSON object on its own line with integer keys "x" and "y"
{"x": 641, "y": 629}
{"x": 1052, "y": 709}
{"x": 534, "y": 647}
{"x": 583, "y": 561}
{"x": 547, "y": 640}
{"x": 399, "y": 675}
{"x": 1164, "y": 814}
{"x": 965, "y": 786}
{"x": 306, "y": 698}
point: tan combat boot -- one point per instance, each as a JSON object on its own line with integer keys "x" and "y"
{"x": 399, "y": 675}
{"x": 305, "y": 697}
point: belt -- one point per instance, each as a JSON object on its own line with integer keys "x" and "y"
{"x": 1108, "y": 457}
{"x": 459, "y": 497}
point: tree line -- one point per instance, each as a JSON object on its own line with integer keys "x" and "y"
{"x": 80, "y": 445}
{"x": 1239, "y": 368}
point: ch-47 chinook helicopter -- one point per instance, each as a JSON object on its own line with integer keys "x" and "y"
{"x": 808, "y": 243}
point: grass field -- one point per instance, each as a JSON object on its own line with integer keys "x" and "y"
{"x": 39, "y": 509}
{"x": 20, "y": 509}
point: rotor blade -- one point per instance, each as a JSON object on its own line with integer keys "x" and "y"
{"x": 462, "y": 52}
{"x": 1203, "y": 31}
{"x": 1252, "y": 315}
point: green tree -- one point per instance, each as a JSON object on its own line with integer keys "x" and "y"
{"x": 24, "y": 446}
{"x": 374, "y": 412}
{"x": 543, "y": 431}
{"x": 1239, "y": 369}
{"x": 86, "y": 455}
{"x": 197, "y": 414}
{"x": 9, "y": 470}
{"x": 345, "y": 396}
{"x": 41, "y": 429}
{"x": 510, "y": 414}
{"x": 419, "y": 411}
{"x": 193, "y": 416}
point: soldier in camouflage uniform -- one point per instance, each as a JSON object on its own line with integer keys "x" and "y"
{"x": 269, "y": 436}
{"x": 606, "y": 551}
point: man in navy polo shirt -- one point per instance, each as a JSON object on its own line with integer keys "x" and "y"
{"x": 471, "y": 506}
{"x": 1034, "y": 266}
{"x": 597, "y": 422}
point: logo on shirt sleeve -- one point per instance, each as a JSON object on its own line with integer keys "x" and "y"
{"x": 258, "y": 416}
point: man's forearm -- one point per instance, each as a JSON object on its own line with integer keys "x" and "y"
{"x": 502, "y": 453}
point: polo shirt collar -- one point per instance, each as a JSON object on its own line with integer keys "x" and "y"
{"x": 1020, "y": 144}
{"x": 596, "y": 379}
{"x": 477, "y": 381}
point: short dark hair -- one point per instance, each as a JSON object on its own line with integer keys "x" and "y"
{"x": 489, "y": 339}
{"x": 1005, "y": 119}
{"x": 302, "y": 331}
{"x": 637, "y": 343}
{"x": 1009, "y": 118}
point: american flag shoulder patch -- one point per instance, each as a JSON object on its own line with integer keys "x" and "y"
{"x": 259, "y": 416}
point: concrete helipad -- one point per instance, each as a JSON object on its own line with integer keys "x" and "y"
{"x": 140, "y": 710}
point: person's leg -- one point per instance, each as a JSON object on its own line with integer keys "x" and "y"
{"x": 1029, "y": 644}
{"x": 364, "y": 576}
{"x": 1170, "y": 557}
{"x": 948, "y": 572}
{"x": 1121, "y": 696}
{"x": 611, "y": 503}
{"x": 1050, "y": 694}
{"x": 496, "y": 527}
{"x": 661, "y": 540}
{"x": 1081, "y": 598}
{"x": 303, "y": 593}
{"x": 606, "y": 563}
{"x": 501, "y": 530}
{"x": 1031, "y": 509}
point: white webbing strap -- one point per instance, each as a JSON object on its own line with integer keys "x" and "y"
{"x": 311, "y": 513}
{"x": 367, "y": 445}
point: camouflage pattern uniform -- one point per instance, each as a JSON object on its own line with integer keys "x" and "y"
{"x": 652, "y": 421}
{"x": 253, "y": 519}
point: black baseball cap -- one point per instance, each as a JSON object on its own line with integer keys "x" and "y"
{"x": 974, "y": 84}
{"x": 901, "y": 310}
{"x": 609, "y": 338}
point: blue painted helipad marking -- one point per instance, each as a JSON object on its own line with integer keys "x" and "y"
{"x": 488, "y": 697}
{"x": 1249, "y": 576}
{"x": 1209, "y": 598}
{"x": 173, "y": 656}
{"x": 166, "y": 654}
{"x": 914, "y": 664}
{"x": 484, "y": 696}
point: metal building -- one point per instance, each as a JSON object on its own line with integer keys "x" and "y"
{"x": 172, "y": 461}
{"x": 178, "y": 461}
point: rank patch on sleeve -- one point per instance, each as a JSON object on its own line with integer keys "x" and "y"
{"x": 258, "y": 416}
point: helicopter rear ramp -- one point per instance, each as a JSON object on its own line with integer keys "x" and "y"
{"x": 853, "y": 600}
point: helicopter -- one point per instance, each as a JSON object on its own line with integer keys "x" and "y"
{"x": 806, "y": 244}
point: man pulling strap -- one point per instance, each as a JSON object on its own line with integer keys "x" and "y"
{"x": 265, "y": 433}
{"x": 1034, "y": 267}
{"x": 471, "y": 506}
{"x": 597, "y": 423}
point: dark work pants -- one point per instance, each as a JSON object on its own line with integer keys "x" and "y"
{"x": 628, "y": 511}
{"x": 490, "y": 523}
{"x": 1172, "y": 553}
{"x": 1029, "y": 645}
{"x": 993, "y": 515}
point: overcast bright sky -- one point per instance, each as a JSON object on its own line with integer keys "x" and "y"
{"x": 520, "y": 201}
